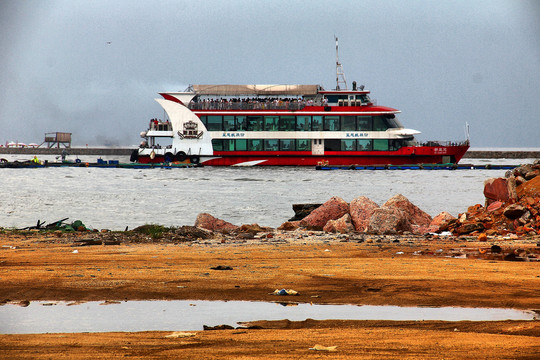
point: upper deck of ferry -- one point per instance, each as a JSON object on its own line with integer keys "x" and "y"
{"x": 275, "y": 97}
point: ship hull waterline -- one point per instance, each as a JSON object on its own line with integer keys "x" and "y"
{"x": 453, "y": 154}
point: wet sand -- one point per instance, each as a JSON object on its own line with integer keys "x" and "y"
{"x": 368, "y": 270}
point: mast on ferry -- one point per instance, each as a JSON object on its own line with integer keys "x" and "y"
{"x": 339, "y": 70}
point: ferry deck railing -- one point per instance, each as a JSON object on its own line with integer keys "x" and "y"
{"x": 432, "y": 143}
{"x": 253, "y": 105}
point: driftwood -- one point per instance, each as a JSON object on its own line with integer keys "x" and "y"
{"x": 40, "y": 224}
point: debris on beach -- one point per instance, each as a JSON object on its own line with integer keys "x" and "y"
{"x": 61, "y": 224}
{"x": 285, "y": 292}
{"x": 324, "y": 348}
{"x": 180, "y": 334}
{"x": 221, "y": 267}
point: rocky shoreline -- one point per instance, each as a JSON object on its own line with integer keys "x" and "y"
{"x": 511, "y": 213}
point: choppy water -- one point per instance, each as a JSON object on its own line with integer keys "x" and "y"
{"x": 116, "y": 198}
{"x": 192, "y": 315}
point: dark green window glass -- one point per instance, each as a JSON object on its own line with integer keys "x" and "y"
{"x": 364, "y": 145}
{"x": 271, "y": 123}
{"x": 255, "y": 145}
{"x": 395, "y": 144}
{"x": 380, "y": 144}
{"x": 364, "y": 123}
{"x": 204, "y": 120}
{"x": 379, "y": 124}
{"x": 229, "y": 123}
{"x": 331, "y": 123}
{"x": 348, "y": 123}
{"x": 271, "y": 145}
{"x": 241, "y": 144}
{"x": 214, "y": 123}
{"x": 332, "y": 145}
{"x": 286, "y": 145}
{"x": 241, "y": 123}
{"x": 303, "y": 145}
{"x": 217, "y": 144}
{"x": 317, "y": 123}
{"x": 348, "y": 145}
{"x": 303, "y": 123}
{"x": 223, "y": 144}
{"x": 287, "y": 123}
{"x": 254, "y": 123}
{"x": 332, "y": 98}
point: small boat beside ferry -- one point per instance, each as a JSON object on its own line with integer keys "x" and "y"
{"x": 285, "y": 125}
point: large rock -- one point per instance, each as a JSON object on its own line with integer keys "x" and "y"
{"x": 514, "y": 211}
{"x": 496, "y": 189}
{"x": 415, "y": 215}
{"x": 530, "y": 188}
{"x": 342, "y": 225}
{"x": 440, "y": 222}
{"x": 331, "y": 210}
{"x": 208, "y": 222}
{"x": 470, "y": 227}
{"x": 388, "y": 220}
{"x": 289, "y": 226}
{"x": 361, "y": 210}
{"x": 302, "y": 210}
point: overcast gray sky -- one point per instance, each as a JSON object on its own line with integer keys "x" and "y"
{"x": 94, "y": 67}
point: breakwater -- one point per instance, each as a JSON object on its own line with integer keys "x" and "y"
{"x": 70, "y": 151}
{"x": 471, "y": 154}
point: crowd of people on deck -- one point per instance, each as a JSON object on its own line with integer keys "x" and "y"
{"x": 252, "y": 104}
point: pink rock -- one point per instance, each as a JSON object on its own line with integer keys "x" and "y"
{"x": 208, "y": 222}
{"x": 331, "y": 210}
{"x": 388, "y": 220}
{"x": 342, "y": 225}
{"x": 496, "y": 189}
{"x": 441, "y": 219}
{"x": 438, "y": 221}
{"x": 361, "y": 210}
{"x": 415, "y": 215}
{"x": 496, "y": 205}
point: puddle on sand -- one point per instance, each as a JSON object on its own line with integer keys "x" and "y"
{"x": 61, "y": 317}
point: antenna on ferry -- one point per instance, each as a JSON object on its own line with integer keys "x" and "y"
{"x": 339, "y": 70}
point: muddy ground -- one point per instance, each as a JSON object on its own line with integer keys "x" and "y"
{"x": 322, "y": 268}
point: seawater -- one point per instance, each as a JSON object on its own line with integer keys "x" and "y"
{"x": 115, "y": 198}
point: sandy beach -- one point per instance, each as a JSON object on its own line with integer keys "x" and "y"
{"x": 323, "y": 268}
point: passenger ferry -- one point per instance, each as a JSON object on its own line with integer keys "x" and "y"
{"x": 297, "y": 125}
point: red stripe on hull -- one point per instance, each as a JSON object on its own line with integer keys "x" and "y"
{"x": 404, "y": 156}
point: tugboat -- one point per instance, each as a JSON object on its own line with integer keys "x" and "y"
{"x": 285, "y": 125}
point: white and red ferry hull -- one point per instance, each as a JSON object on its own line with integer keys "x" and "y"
{"x": 405, "y": 156}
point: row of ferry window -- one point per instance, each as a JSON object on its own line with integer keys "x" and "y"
{"x": 305, "y": 144}
{"x": 299, "y": 123}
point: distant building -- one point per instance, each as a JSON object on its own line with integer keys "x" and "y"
{"x": 57, "y": 138}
